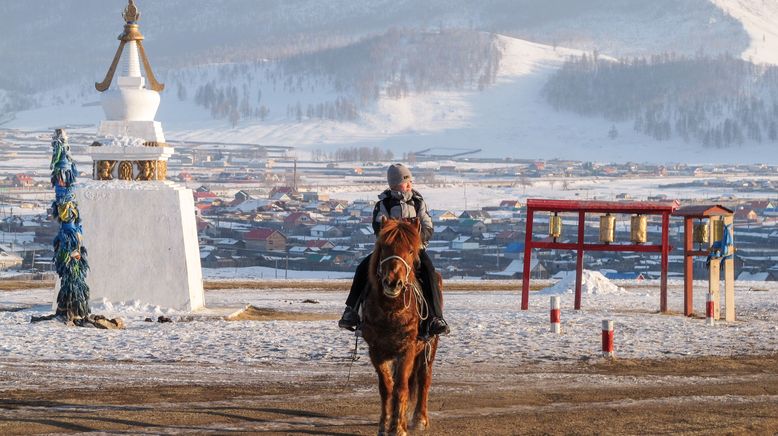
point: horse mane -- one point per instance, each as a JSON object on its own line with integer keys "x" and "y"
{"x": 400, "y": 234}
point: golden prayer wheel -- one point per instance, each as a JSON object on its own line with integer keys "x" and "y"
{"x": 639, "y": 229}
{"x": 555, "y": 226}
{"x": 701, "y": 233}
{"x": 607, "y": 228}
{"x": 718, "y": 230}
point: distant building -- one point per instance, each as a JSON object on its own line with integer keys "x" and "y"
{"x": 510, "y": 204}
{"x": 265, "y": 239}
{"x": 22, "y": 181}
{"x": 298, "y": 219}
{"x": 464, "y": 243}
{"x": 8, "y": 259}
{"x": 325, "y": 231}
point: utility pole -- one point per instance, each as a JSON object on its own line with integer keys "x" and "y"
{"x": 464, "y": 186}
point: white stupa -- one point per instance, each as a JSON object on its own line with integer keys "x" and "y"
{"x": 139, "y": 228}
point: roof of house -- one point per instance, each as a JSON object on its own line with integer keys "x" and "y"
{"x": 260, "y": 234}
{"x": 294, "y": 216}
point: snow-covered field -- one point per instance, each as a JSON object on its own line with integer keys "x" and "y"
{"x": 487, "y": 327}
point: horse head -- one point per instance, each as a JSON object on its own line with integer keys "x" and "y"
{"x": 397, "y": 250}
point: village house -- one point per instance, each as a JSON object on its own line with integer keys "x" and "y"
{"x": 480, "y": 215}
{"x": 320, "y": 244}
{"x": 510, "y": 204}
{"x": 22, "y": 181}
{"x": 298, "y": 220}
{"x": 265, "y": 239}
{"x": 439, "y": 215}
{"x": 326, "y": 231}
{"x": 746, "y": 214}
{"x": 240, "y": 197}
{"x": 8, "y": 258}
{"x": 464, "y": 243}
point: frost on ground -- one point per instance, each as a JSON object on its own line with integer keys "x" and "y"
{"x": 487, "y": 329}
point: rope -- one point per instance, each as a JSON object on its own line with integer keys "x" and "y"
{"x": 354, "y": 358}
{"x": 422, "y": 308}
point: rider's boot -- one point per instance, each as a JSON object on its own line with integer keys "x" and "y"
{"x": 439, "y": 326}
{"x": 349, "y": 320}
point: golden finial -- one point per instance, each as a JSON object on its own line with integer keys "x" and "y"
{"x": 131, "y": 33}
{"x": 131, "y": 12}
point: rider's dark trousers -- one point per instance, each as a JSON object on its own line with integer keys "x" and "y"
{"x": 425, "y": 274}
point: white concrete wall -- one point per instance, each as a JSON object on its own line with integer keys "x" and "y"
{"x": 142, "y": 242}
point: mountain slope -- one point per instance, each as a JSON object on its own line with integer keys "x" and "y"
{"x": 70, "y": 39}
{"x": 760, "y": 20}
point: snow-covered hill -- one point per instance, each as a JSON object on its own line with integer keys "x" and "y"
{"x": 760, "y": 20}
{"x": 507, "y": 118}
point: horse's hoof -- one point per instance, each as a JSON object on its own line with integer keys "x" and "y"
{"x": 419, "y": 424}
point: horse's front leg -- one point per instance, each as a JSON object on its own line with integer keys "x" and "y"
{"x": 424, "y": 375}
{"x": 403, "y": 369}
{"x": 385, "y": 386}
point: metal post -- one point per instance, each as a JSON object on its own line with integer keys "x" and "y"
{"x": 579, "y": 259}
{"x": 729, "y": 274}
{"x": 527, "y": 256}
{"x": 688, "y": 266}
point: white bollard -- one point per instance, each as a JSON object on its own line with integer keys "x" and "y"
{"x": 556, "y": 315}
{"x": 607, "y": 339}
{"x": 710, "y": 305}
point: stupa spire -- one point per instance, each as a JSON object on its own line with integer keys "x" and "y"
{"x": 132, "y": 36}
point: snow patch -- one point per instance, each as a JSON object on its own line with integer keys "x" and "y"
{"x": 592, "y": 283}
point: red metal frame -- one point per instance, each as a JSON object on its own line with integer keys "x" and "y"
{"x": 582, "y": 208}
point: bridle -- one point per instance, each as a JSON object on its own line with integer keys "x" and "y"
{"x": 415, "y": 292}
{"x": 407, "y": 274}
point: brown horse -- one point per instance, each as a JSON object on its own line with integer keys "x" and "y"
{"x": 392, "y": 311}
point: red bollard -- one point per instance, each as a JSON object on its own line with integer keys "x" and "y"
{"x": 709, "y": 306}
{"x": 607, "y": 339}
{"x": 556, "y": 315}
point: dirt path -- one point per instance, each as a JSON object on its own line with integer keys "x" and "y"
{"x": 688, "y": 396}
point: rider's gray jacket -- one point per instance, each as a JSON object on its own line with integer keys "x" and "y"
{"x": 396, "y": 204}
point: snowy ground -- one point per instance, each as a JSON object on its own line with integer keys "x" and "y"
{"x": 487, "y": 327}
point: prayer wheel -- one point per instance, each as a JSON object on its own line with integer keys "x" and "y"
{"x": 639, "y": 229}
{"x": 718, "y": 230}
{"x": 555, "y": 226}
{"x": 701, "y": 233}
{"x": 607, "y": 228}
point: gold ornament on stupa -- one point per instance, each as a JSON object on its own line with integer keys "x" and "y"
{"x": 131, "y": 32}
{"x": 131, "y": 12}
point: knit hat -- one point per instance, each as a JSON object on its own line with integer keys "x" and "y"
{"x": 397, "y": 174}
